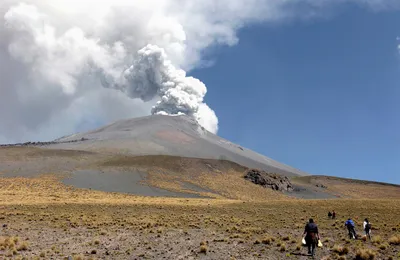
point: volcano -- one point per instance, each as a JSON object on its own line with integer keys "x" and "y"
{"x": 169, "y": 135}
{"x": 171, "y": 156}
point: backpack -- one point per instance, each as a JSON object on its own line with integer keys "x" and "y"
{"x": 368, "y": 227}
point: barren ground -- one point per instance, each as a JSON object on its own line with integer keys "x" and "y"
{"x": 46, "y": 219}
{"x": 138, "y": 228}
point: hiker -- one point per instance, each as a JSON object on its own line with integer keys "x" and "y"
{"x": 329, "y": 214}
{"x": 333, "y": 215}
{"x": 367, "y": 228}
{"x": 311, "y": 236}
{"x": 351, "y": 228}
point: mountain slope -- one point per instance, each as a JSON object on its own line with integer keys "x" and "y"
{"x": 167, "y": 135}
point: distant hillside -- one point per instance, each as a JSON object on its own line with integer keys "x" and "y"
{"x": 350, "y": 188}
{"x": 168, "y": 176}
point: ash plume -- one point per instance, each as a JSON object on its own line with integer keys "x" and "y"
{"x": 69, "y": 65}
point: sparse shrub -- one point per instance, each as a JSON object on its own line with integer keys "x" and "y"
{"x": 257, "y": 242}
{"x": 23, "y": 246}
{"x": 8, "y": 243}
{"x": 394, "y": 240}
{"x": 377, "y": 240}
{"x": 298, "y": 247}
{"x": 341, "y": 250}
{"x": 286, "y": 238}
{"x": 42, "y": 254}
{"x": 97, "y": 242}
{"x": 203, "y": 249}
{"x": 93, "y": 252}
{"x": 342, "y": 258}
{"x": 282, "y": 248}
{"x": 383, "y": 247}
{"x": 267, "y": 241}
{"x": 365, "y": 254}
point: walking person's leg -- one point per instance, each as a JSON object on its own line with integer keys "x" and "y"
{"x": 313, "y": 249}
{"x": 352, "y": 233}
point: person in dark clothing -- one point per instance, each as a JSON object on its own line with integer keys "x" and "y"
{"x": 367, "y": 228}
{"x": 329, "y": 214}
{"x": 333, "y": 215}
{"x": 311, "y": 236}
{"x": 351, "y": 228}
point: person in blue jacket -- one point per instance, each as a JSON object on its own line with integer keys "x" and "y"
{"x": 351, "y": 228}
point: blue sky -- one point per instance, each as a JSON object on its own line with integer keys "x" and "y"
{"x": 320, "y": 95}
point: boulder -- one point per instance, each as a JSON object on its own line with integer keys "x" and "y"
{"x": 269, "y": 180}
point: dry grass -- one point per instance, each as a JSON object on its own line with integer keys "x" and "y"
{"x": 394, "y": 240}
{"x": 61, "y": 220}
{"x": 365, "y": 254}
{"x": 211, "y": 220}
{"x": 203, "y": 249}
{"x": 377, "y": 240}
{"x": 23, "y": 246}
{"x": 267, "y": 241}
{"x": 340, "y": 250}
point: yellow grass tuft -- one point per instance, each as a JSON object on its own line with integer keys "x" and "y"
{"x": 377, "y": 240}
{"x": 365, "y": 254}
{"x": 340, "y": 250}
{"x": 23, "y": 246}
{"x": 394, "y": 240}
{"x": 266, "y": 241}
{"x": 203, "y": 249}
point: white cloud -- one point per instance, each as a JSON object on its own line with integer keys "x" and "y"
{"x": 67, "y": 62}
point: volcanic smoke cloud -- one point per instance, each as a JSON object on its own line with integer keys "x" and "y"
{"x": 69, "y": 64}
